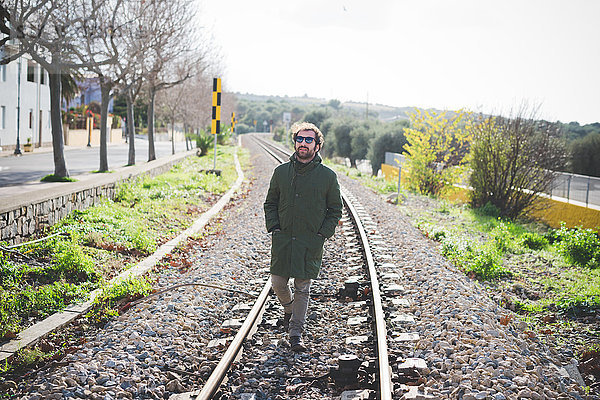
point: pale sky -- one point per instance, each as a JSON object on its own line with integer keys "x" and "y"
{"x": 482, "y": 55}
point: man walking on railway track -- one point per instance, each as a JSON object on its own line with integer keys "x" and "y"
{"x": 302, "y": 209}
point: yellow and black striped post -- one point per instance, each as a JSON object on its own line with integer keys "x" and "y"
{"x": 216, "y": 107}
{"x": 215, "y": 128}
{"x": 232, "y": 122}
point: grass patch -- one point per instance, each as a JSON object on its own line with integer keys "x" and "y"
{"x": 54, "y": 178}
{"x": 114, "y": 298}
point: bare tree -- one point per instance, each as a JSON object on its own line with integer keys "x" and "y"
{"x": 175, "y": 55}
{"x": 103, "y": 36}
{"x": 196, "y": 105}
{"x": 52, "y": 32}
{"x": 513, "y": 159}
{"x": 170, "y": 102}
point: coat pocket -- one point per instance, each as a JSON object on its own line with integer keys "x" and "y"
{"x": 314, "y": 256}
{"x": 281, "y": 248}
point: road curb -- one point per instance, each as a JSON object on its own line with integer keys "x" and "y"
{"x": 35, "y": 333}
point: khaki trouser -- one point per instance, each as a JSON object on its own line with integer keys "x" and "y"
{"x": 297, "y": 305}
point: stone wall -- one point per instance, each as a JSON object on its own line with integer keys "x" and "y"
{"x": 35, "y": 211}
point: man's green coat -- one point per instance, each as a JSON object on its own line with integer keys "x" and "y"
{"x": 304, "y": 202}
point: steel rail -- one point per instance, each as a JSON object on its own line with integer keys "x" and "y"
{"x": 214, "y": 381}
{"x": 211, "y": 386}
{"x": 385, "y": 374}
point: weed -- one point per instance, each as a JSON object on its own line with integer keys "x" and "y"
{"x": 438, "y": 235}
{"x": 105, "y": 305}
{"x": 443, "y": 208}
{"x": 486, "y": 263}
{"x": 489, "y": 210}
{"x": 483, "y": 262}
{"x": 28, "y": 356}
{"x": 533, "y": 241}
{"x": 527, "y": 307}
{"x": 580, "y": 246}
{"x": 502, "y": 238}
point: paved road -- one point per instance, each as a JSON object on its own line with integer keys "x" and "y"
{"x": 33, "y": 166}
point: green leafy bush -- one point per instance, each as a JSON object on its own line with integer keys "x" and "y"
{"x": 580, "y": 246}
{"x": 486, "y": 263}
{"x": 489, "y": 209}
{"x": 438, "y": 235}
{"x": 553, "y": 236}
{"x": 533, "y": 241}
{"x": 204, "y": 142}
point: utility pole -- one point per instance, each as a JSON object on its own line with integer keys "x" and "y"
{"x": 367, "y": 114}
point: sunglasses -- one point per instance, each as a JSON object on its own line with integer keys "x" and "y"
{"x": 308, "y": 140}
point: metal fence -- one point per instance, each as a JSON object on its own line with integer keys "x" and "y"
{"x": 582, "y": 189}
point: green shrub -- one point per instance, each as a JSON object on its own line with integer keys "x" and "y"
{"x": 533, "y": 241}
{"x": 486, "y": 263}
{"x": 553, "y": 236}
{"x": 438, "y": 235}
{"x": 580, "y": 246}
{"x": 489, "y": 209}
{"x": 204, "y": 142}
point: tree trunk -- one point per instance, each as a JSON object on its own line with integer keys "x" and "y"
{"x": 185, "y": 133}
{"x": 173, "y": 135}
{"x": 105, "y": 88}
{"x": 130, "y": 128}
{"x": 151, "y": 151}
{"x": 58, "y": 144}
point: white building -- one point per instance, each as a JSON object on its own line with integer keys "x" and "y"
{"x": 33, "y": 107}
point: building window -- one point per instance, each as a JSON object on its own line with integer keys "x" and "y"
{"x": 30, "y": 71}
{"x": 42, "y": 76}
{"x": 2, "y": 117}
{"x": 3, "y": 73}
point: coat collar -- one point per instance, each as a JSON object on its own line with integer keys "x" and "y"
{"x": 302, "y": 168}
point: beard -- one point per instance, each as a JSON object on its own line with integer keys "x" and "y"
{"x": 304, "y": 155}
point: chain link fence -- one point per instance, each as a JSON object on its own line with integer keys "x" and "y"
{"x": 567, "y": 187}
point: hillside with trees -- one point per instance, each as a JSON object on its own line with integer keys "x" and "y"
{"x": 366, "y": 131}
